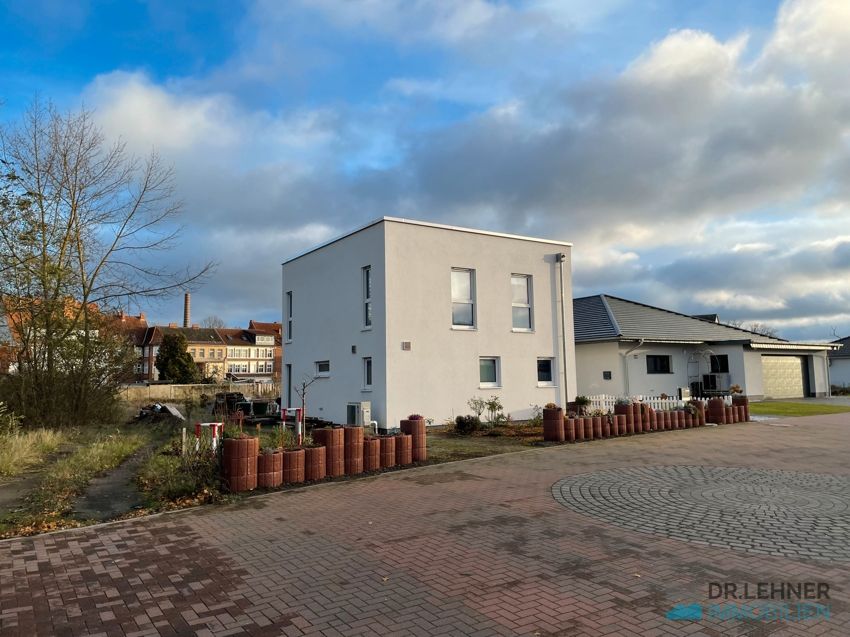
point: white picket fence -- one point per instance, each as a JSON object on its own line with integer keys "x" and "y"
{"x": 606, "y": 403}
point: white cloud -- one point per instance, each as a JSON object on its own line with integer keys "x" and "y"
{"x": 732, "y": 172}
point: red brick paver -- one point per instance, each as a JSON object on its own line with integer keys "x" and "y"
{"x": 473, "y": 548}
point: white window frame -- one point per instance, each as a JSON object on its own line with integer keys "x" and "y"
{"x": 366, "y": 278}
{"x": 544, "y": 383}
{"x": 289, "y": 316}
{"x": 320, "y": 374}
{"x": 498, "y": 365}
{"x": 368, "y": 373}
{"x": 469, "y": 301}
{"x": 529, "y": 291}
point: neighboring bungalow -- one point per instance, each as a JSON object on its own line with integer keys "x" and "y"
{"x": 625, "y": 348}
{"x": 404, "y": 316}
{"x": 839, "y": 364}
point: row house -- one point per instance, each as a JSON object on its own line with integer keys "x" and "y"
{"x": 219, "y": 353}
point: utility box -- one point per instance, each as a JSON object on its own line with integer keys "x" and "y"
{"x": 359, "y": 413}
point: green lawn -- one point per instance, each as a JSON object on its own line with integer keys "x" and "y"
{"x": 778, "y": 408}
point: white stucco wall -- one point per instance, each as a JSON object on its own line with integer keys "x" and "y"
{"x": 621, "y": 358}
{"x": 753, "y": 377}
{"x": 411, "y": 299}
{"x": 440, "y": 373}
{"x": 592, "y": 359}
{"x": 818, "y": 374}
{"x": 327, "y": 301}
{"x": 839, "y": 372}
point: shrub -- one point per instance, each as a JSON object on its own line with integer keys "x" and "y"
{"x": 415, "y": 417}
{"x": 536, "y": 419}
{"x": 466, "y": 425}
{"x": 494, "y": 410}
{"x": 166, "y": 477}
{"x": 477, "y": 405}
{"x": 550, "y": 406}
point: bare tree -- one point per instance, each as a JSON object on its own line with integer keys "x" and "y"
{"x": 212, "y": 321}
{"x": 82, "y": 226}
{"x": 755, "y": 326}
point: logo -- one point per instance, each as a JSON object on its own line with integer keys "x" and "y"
{"x": 685, "y": 612}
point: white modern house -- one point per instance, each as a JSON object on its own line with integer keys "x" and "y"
{"x": 839, "y": 363}
{"x": 403, "y": 317}
{"x": 625, "y": 348}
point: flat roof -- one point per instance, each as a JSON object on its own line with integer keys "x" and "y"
{"x": 427, "y": 224}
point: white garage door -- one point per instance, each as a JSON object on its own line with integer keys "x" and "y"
{"x": 783, "y": 376}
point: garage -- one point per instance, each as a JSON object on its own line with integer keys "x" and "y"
{"x": 783, "y": 376}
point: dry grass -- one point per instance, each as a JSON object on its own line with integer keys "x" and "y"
{"x": 446, "y": 447}
{"x": 21, "y": 450}
{"x": 46, "y": 508}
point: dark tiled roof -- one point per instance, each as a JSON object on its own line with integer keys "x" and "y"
{"x": 604, "y": 317}
{"x": 264, "y": 327}
{"x": 592, "y": 320}
{"x": 197, "y": 335}
{"x": 844, "y": 352}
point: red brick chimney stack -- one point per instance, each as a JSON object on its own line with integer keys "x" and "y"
{"x": 187, "y": 306}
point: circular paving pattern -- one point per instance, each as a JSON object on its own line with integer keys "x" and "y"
{"x": 787, "y": 513}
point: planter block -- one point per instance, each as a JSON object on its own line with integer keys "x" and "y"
{"x": 387, "y": 451}
{"x": 596, "y": 423}
{"x": 371, "y": 454}
{"x": 333, "y": 440}
{"x": 553, "y": 430}
{"x": 570, "y": 430}
{"x": 404, "y": 449}
{"x": 353, "y": 450}
{"x": 315, "y": 467}
{"x": 729, "y": 416}
{"x": 588, "y": 427}
{"x": 293, "y": 466}
{"x": 270, "y": 470}
{"x": 621, "y": 424}
{"x": 606, "y": 426}
{"x": 417, "y": 429}
{"x": 716, "y": 411}
{"x": 239, "y": 463}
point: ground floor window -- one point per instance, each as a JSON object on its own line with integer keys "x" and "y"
{"x": 323, "y": 368}
{"x": 656, "y": 364}
{"x": 488, "y": 371}
{"x": 545, "y": 373}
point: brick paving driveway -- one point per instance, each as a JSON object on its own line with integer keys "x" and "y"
{"x": 479, "y": 547}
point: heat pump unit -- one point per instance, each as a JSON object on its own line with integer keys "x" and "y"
{"x": 359, "y": 413}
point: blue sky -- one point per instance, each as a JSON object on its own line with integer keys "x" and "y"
{"x": 696, "y": 153}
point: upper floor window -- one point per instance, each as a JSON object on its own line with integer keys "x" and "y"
{"x": 288, "y": 316}
{"x": 463, "y": 297}
{"x": 323, "y": 368}
{"x": 367, "y": 296}
{"x": 521, "y": 302}
{"x": 656, "y": 364}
